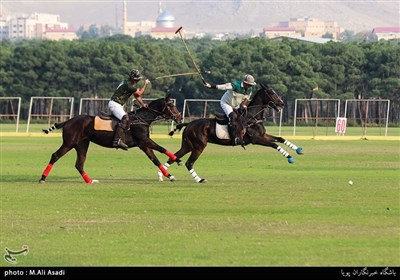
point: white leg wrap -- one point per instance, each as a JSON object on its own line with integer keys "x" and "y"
{"x": 160, "y": 175}
{"x": 283, "y": 152}
{"x": 194, "y": 175}
{"x": 290, "y": 145}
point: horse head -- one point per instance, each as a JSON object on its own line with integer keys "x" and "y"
{"x": 166, "y": 108}
{"x": 272, "y": 99}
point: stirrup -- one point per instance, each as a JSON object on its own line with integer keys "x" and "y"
{"x": 237, "y": 141}
{"x": 120, "y": 144}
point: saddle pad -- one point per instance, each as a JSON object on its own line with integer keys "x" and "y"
{"x": 222, "y": 131}
{"x": 100, "y": 124}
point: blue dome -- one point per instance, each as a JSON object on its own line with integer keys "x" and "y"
{"x": 165, "y": 19}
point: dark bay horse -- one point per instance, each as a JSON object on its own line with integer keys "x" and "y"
{"x": 79, "y": 131}
{"x": 202, "y": 131}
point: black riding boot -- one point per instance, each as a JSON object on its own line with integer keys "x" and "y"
{"x": 119, "y": 136}
{"x": 232, "y": 131}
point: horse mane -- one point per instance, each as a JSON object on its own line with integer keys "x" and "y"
{"x": 255, "y": 97}
{"x": 152, "y": 105}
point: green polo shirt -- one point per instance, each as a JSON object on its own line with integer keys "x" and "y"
{"x": 123, "y": 92}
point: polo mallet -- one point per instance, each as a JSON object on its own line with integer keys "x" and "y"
{"x": 180, "y": 74}
{"x": 194, "y": 63}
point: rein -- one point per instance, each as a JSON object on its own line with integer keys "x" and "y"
{"x": 157, "y": 116}
{"x": 251, "y": 119}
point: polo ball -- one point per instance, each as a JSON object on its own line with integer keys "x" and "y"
{"x": 350, "y": 182}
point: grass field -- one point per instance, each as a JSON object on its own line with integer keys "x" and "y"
{"x": 255, "y": 210}
{"x": 164, "y": 128}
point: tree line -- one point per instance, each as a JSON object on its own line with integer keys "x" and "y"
{"x": 295, "y": 69}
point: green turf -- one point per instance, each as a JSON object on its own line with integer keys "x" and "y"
{"x": 255, "y": 210}
{"x": 164, "y": 128}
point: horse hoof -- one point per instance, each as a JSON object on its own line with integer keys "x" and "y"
{"x": 172, "y": 178}
{"x": 179, "y": 162}
{"x": 42, "y": 181}
{"x": 160, "y": 176}
{"x": 95, "y": 181}
{"x": 291, "y": 160}
{"x": 203, "y": 181}
{"x": 299, "y": 150}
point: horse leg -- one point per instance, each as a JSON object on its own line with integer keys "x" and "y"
{"x": 150, "y": 154}
{"x": 268, "y": 141}
{"x": 179, "y": 154}
{"x": 149, "y": 143}
{"x": 299, "y": 150}
{"x": 54, "y": 158}
{"x": 81, "y": 151}
{"x": 190, "y": 163}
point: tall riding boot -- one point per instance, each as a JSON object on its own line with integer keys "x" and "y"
{"x": 119, "y": 136}
{"x": 232, "y": 131}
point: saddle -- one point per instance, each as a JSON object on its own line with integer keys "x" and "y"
{"x": 221, "y": 126}
{"x": 221, "y": 118}
{"x": 104, "y": 121}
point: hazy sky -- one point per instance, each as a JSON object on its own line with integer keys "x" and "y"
{"x": 212, "y": 15}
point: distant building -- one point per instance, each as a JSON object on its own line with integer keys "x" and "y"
{"x": 274, "y": 32}
{"x": 313, "y": 28}
{"x": 135, "y": 28}
{"x": 386, "y": 33}
{"x": 4, "y": 28}
{"x": 163, "y": 27}
{"x": 57, "y": 34}
{"x": 35, "y": 26}
{"x": 304, "y": 39}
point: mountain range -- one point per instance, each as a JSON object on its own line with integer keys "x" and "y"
{"x": 238, "y": 16}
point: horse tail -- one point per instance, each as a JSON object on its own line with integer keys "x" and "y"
{"x": 178, "y": 127}
{"x": 53, "y": 127}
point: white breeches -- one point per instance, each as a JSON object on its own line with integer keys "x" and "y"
{"x": 227, "y": 108}
{"x": 116, "y": 109}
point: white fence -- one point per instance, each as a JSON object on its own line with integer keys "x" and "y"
{"x": 54, "y": 109}
{"x": 314, "y": 113}
{"x": 311, "y": 112}
{"x": 368, "y": 112}
{"x": 10, "y": 108}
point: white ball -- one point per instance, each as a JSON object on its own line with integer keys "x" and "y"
{"x": 350, "y": 182}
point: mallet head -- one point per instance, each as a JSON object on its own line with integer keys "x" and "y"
{"x": 179, "y": 29}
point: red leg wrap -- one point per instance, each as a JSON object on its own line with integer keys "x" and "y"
{"x": 170, "y": 155}
{"x": 86, "y": 178}
{"x": 47, "y": 170}
{"x": 163, "y": 170}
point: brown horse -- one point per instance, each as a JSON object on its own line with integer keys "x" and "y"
{"x": 202, "y": 131}
{"x": 79, "y": 131}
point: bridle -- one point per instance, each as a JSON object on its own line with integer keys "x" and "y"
{"x": 166, "y": 112}
{"x": 174, "y": 116}
{"x": 273, "y": 96}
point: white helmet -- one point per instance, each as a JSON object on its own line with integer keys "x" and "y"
{"x": 249, "y": 79}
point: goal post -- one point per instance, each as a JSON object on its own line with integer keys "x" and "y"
{"x": 10, "y": 109}
{"x": 316, "y": 112}
{"x": 199, "y": 108}
{"x": 367, "y": 113}
{"x": 91, "y": 106}
{"x": 52, "y": 109}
